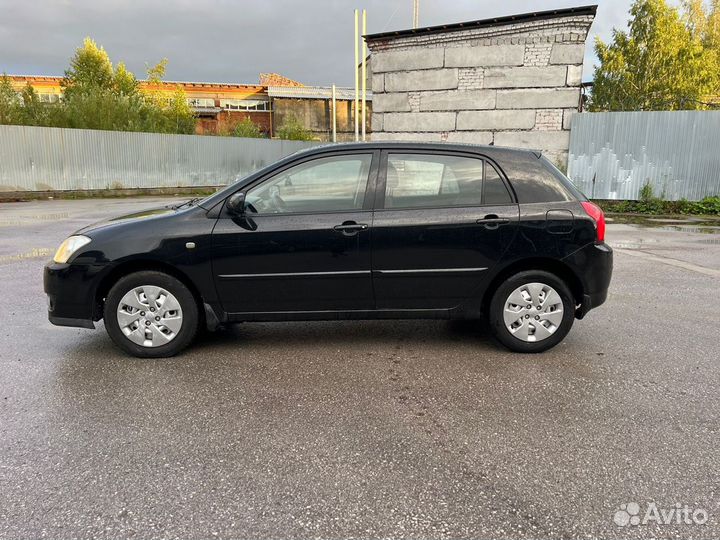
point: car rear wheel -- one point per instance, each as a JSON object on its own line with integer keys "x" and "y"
{"x": 531, "y": 311}
{"x": 150, "y": 314}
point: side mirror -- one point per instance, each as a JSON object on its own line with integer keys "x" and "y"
{"x": 236, "y": 204}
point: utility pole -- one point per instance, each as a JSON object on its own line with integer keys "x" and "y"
{"x": 357, "y": 98}
{"x": 416, "y": 13}
{"x": 364, "y": 73}
{"x": 334, "y": 113}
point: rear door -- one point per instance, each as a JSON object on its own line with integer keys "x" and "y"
{"x": 442, "y": 220}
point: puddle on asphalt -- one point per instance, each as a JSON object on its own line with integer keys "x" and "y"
{"x": 682, "y": 224}
{"x": 669, "y": 220}
{"x": 690, "y": 229}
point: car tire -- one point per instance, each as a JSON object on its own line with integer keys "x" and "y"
{"x": 523, "y": 327}
{"x": 151, "y": 314}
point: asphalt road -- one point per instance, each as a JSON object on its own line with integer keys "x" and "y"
{"x": 420, "y": 429}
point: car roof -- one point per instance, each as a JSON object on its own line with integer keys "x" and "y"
{"x": 416, "y": 145}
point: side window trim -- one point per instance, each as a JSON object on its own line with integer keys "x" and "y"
{"x": 379, "y": 199}
{"x": 370, "y": 185}
{"x": 504, "y": 178}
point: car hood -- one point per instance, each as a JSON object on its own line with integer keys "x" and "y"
{"x": 144, "y": 215}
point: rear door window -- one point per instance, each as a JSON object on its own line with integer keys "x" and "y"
{"x": 429, "y": 180}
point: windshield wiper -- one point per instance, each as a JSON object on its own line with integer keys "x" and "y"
{"x": 186, "y": 203}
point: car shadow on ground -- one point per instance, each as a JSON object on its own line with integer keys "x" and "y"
{"x": 378, "y": 334}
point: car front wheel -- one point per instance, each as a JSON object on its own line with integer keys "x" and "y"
{"x": 531, "y": 311}
{"x": 151, "y": 314}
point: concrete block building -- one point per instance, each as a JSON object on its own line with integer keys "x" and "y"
{"x": 508, "y": 81}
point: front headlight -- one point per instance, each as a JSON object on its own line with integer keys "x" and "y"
{"x": 70, "y": 246}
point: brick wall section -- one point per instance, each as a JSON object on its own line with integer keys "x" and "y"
{"x": 511, "y": 85}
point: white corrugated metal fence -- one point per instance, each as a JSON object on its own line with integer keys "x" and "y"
{"x": 39, "y": 159}
{"x": 613, "y": 155}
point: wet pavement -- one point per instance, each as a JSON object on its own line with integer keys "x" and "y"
{"x": 365, "y": 429}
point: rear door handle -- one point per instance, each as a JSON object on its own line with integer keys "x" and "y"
{"x": 492, "y": 221}
{"x": 350, "y": 228}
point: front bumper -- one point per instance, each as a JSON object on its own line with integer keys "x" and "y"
{"x": 593, "y": 264}
{"x": 71, "y": 293}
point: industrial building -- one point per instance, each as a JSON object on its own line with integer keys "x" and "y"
{"x": 219, "y": 107}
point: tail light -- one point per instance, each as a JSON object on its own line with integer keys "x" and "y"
{"x": 595, "y": 212}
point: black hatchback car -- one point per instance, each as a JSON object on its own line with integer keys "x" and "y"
{"x": 349, "y": 231}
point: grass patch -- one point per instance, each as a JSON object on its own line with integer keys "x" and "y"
{"x": 709, "y": 206}
{"x": 17, "y": 196}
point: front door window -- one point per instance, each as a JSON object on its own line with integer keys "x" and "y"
{"x": 331, "y": 184}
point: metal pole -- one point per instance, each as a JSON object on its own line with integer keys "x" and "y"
{"x": 334, "y": 113}
{"x": 357, "y": 98}
{"x": 416, "y": 13}
{"x": 364, "y": 72}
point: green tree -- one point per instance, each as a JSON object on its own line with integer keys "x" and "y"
{"x": 293, "y": 130}
{"x": 181, "y": 118}
{"x": 167, "y": 115}
{"x": 10, "y": 104}
{"x": 90, "y": 71}
{"x": 248, "y": 129}
{"x": 34, "y": 112}
{"x": 100, "y": 96}
{"x": 25, "y": 108}
{"x": 124, "y": 82}
{"x": 97, "y": 95}
{"x": 704, "y": 23}
{"x": 665, "y": 61}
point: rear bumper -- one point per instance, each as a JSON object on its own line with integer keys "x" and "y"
{"x": 589, "y": 302}
{"x": 593, "y": 264}
{"x": 71, "y": 293}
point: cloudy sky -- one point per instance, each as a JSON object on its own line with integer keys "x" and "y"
{"x": 234, "y": 40}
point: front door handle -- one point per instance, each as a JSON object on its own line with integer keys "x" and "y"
{"x": 492, "y": 221}
{"x": 350, "y": 228}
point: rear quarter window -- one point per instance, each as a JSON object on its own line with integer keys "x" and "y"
{"x": 537, "y": 180}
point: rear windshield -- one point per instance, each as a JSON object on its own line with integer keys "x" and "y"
{"x": 537, "y": 180}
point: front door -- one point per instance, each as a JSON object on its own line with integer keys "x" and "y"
{"x": 303, "y": 244}
{"x": 442, "y": 221}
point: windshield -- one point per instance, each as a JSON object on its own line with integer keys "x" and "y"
{"x": 211, "y": 200}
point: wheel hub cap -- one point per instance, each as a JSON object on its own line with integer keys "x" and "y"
{"x": 533, "y": 312}
{"x": 149, "y": 316}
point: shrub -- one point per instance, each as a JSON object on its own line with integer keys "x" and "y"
{"x": 646, "y": 192}
{"x": 293, "y": 130}
{"x": 709, "y": 206}
{"x": 248, "y": 129}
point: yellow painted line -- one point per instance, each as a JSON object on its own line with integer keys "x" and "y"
{"x": 22, "y": 220}
{"x": 35, "y": 253}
